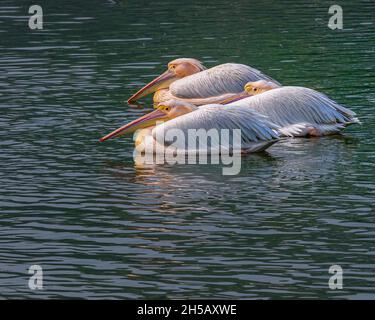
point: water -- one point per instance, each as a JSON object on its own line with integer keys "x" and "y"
{"x": 102, "y": 227}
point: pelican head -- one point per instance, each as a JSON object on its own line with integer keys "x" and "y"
{"x": 165, "y": 111}
{"x": 257, "y": 87}
{"x": 177, "y": 69}
{"x": 251, "y": 89}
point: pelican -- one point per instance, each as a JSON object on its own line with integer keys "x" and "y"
{"x": 299, "y": 111}
{"x": 257, "y": 133}
{"x": 187, "y": 79}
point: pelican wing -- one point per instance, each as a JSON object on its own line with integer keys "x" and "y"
{"x": 291, "y": 105}
{"x": 254, "y": 127}
{"x": 224, "y": 78}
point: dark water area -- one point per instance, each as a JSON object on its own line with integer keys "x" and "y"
{"x": 103, "y": 227}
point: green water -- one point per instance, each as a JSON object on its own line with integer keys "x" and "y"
{"x": 101, "y": 227}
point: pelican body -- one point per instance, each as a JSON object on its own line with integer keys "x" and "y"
{"x": 299, "y": 111}
{"x": 188, "y": 80}
{"x": 268, "y": 112}
{"x": 256, "y": 132}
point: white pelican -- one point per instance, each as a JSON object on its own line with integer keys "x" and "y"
{"x": 298, "y": 111}
{"x": 189, "y": 80}
{"x": 257, "y": 133}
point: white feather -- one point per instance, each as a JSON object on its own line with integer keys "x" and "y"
{"x": 221, "y": 79}
{"x": 254, "y": 128}
{"x": 296, "y": 108}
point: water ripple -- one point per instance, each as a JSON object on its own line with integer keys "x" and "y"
{"x": 102, "y": 226}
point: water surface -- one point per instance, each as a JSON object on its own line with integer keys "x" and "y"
{"x": 102, "y": 227}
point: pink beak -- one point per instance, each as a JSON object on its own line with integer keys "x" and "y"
{"x": 161, "y": 82}
{"x": 145, "y": 121}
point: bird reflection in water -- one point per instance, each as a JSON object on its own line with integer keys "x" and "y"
{"x": 294, "y": 161}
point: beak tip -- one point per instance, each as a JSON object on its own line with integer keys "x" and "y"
{"x": 142, "y": 122}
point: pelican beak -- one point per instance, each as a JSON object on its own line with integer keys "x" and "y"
{"x": 236, "y": 97}
{"x": 161, "y": 82}
{"x": 147, "y": 120}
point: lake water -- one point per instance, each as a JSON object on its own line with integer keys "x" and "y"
{"x": 102, "y": 227}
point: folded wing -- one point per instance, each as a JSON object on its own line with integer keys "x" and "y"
{"x": 224, "y": 78}
{"x": 254, "y": 127}
{"x": 292, "y": 105}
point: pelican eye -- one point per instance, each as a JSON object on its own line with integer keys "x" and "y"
{"x": 255, "y": 89}
{"x": 166, "y": 108}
